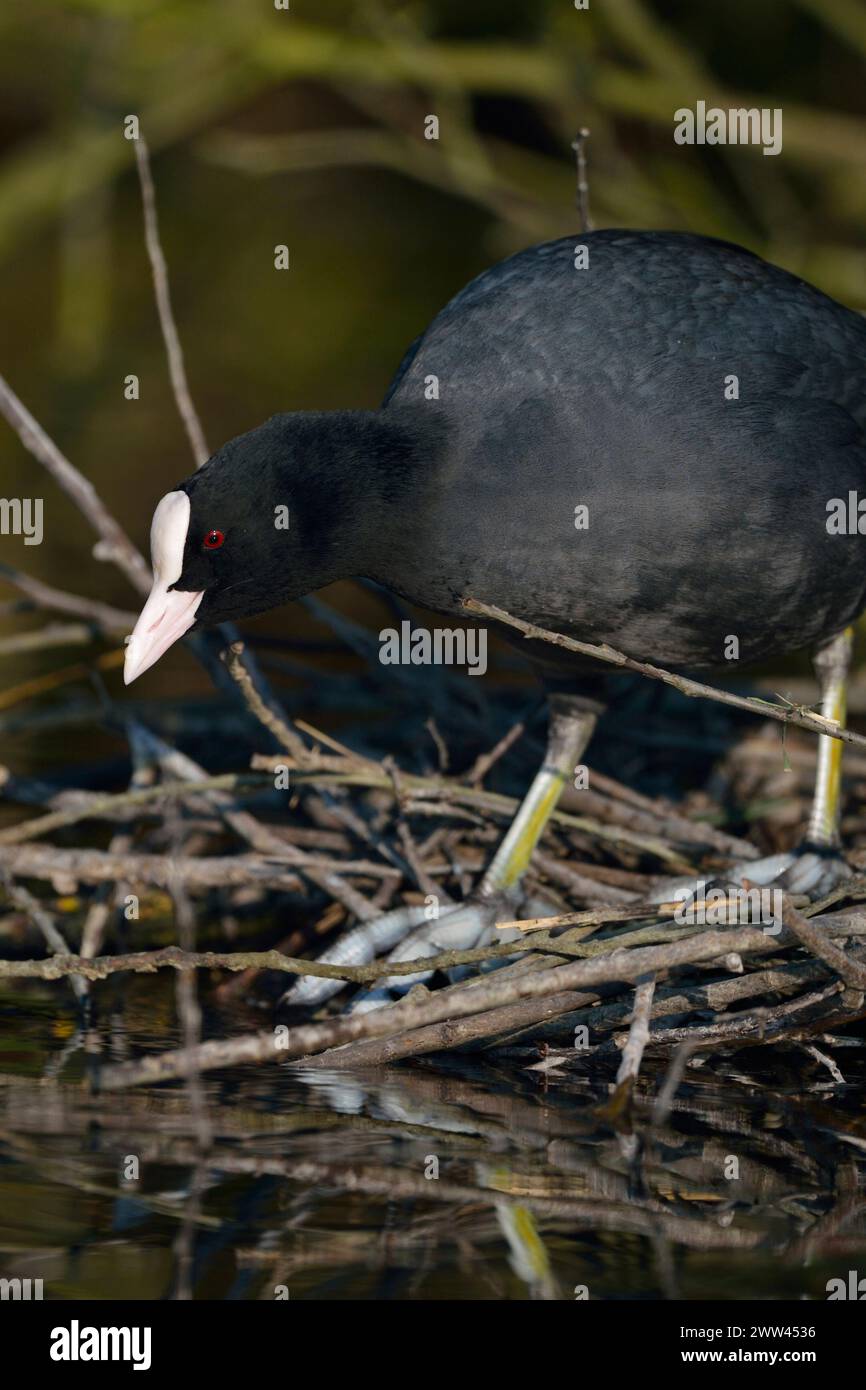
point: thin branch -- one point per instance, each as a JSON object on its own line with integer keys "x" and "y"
{"x": 453, "y": 1033}
{"x": 66, "y": 868}
{"x": 111, "y": 621}
{"x": 53, "y": 936}
{"x": 676, "y": 1071}
{"x": 50, "y": 635}
{"x": 485, "y": 761}
{"x": 339, "y": 771}
{"x": 811, "y": 936}
{"x": 800, "y": 719}
{"x": 174, "y": 351}
{"x": 308, "y": 1039}
{"x": 116, "y": 545}
{"x": 62, "y": 964}
{"x": 638, "y": 1033}
{"x": 579, "y": 147}
{"x": 108, "y": 805}
{"x": 233, "y": 657}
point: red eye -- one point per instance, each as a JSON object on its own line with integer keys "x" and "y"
{"x": 213, "y": 540}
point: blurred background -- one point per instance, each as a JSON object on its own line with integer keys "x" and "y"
{"x": 306, "y": 127}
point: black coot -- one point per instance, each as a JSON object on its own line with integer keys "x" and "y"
{"x": 648, "y": 446}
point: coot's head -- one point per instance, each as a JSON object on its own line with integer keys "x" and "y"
{"x": 275, "y": 514}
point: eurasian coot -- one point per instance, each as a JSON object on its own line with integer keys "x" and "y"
{"x": 640, "y": 438}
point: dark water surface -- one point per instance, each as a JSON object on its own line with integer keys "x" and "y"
{"x": 322, "y": 1185}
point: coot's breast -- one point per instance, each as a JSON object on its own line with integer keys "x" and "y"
{"x": 702, "y": 406}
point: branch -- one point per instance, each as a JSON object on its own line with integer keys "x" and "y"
{"x": 116, "y": 545}
{"x": 108, "y": 805}
{"x": 95, "y": 866}
{"x": 308, "y": 1039}
{"x": 336, "y": 771}
{"x": 174, "y": 351}
{"x": 54, "y": 939}
{"x": 272, "y": 721}
{"x": 50, "y": 635}
{"x": 109, "y": 620}
{"x": 810, "y": 936}
{"x": 800, "y": 719}
{"x": 638, "y": 1033}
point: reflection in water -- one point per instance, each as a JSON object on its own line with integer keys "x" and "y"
{"x": 460, "y": 1180}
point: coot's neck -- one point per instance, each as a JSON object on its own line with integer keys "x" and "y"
{"x": 362, "y": 478}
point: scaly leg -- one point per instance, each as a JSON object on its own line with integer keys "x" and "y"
{"x": 816, "y": 866}
{"x": 832, "y": 665}
{"x": 571, "y": 727}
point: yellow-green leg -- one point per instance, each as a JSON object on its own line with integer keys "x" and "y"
{"x": 832, "y": 664}
{"x": 571, "y": 727}
{"x": 816, "y": 866}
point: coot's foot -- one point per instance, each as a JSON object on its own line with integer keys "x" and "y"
{"x": 459, "y": 928}
{"x": 497, "y": 897}
{"x": 811, "y": 869}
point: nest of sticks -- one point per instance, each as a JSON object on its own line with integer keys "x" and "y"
{"x": 372, "y": 820}
{"x": 609, "y": 977}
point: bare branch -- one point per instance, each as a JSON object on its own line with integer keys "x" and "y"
{"x": 116, "y": 545}
{"x": 766, "y": 709}
{"x": 174, "y": 351}
{"x": 111, "y": 621}
{"x": 307, "y": 1039}
{"x": 638, "y": 1033}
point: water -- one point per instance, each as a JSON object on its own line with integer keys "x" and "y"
{"x": 323, "y": 1186}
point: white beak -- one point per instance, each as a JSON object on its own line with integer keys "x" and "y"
{"x": 166, "y": 616}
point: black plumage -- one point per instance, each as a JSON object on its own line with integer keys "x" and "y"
{"x": 541, "y": 388}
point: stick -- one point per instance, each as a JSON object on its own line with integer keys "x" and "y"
{"x": 272, "y": 721}
{"x": 62, "y": 965}
{"x": 66, "y": 866}
{"x": 599, "y": 916}
{"x": 814, "y": 723}
{"x": 116, "y": 545}
{"x": 325, "y": 770}
{"x": 49, "y": 635}
{"x": 308, "y": 1039}
{"x": 174, "y": 351}
{"x": 40, "y": 918}
{"x": 443, "y": 1037}
{"x": 638, "y": 1033}
{"x": 111, "y": 621}
{"x": 579, "y": 147}
{"x": 810, "y": 936}
{"x": 108, "y": 805}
